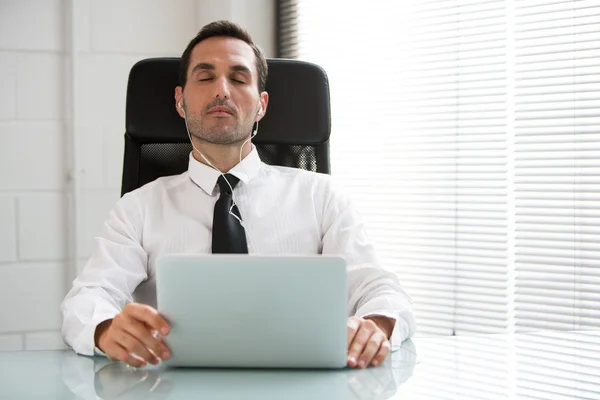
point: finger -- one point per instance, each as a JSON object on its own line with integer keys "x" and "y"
{"x": 353, "y": 324}
{"x": 133, "y": 345}
{"x": 382, "y": 354}
{"x": 141, "y": 332}
{"x": 119, "y": 353}
{"x": 148, "y": 316}
{"x": 371, "y": 348}
{"x": 360, "y": 340}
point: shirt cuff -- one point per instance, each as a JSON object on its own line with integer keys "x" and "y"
{"x": 98, "y": 352}
{"x": 86, "y": 344}
{"x": 394, "y": 308}
{"x": 396, "y": 338}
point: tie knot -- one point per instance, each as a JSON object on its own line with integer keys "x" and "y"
{"x": 223, "y": 183}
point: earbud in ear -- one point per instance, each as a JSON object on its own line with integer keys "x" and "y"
{"x": 179, "y": 105}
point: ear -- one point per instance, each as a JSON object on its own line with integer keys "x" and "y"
{"x": 264, "y": 102}
{"x": 179, "y": 100}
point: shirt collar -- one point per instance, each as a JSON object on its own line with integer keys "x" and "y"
{"x": 206, "y": 176}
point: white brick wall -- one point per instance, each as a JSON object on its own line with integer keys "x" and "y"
{"x": 92, "y": 153}
{"x": 40, "y": 84}
{"x": 32, "y": 171}
{"x": 49, "y": 340}
{"x": 8, "y": 85}
{"x": 31, "y": 294}
{"x": 44, "y": 20}
{"x": 165, "y": 27}
{"x": 35, "y": 83}
{"x": 11, "y": 342}
{"x": 32, "y": 156}
{"x": 103, "y": 84}
{"x": 8, "y": 229}
{"x": 39, "y": 241}
{"x": 257, "y": 16}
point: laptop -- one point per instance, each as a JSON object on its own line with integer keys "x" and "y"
{"x": 247, "y": 311}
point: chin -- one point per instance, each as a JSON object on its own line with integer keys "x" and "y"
{"x": 221, "y": 139}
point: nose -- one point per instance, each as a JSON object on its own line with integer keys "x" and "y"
{"x": 222, "y": 88}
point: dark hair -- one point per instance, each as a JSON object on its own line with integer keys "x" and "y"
{"x": 226, "y": 29}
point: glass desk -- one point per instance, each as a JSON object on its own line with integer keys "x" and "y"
{"x": 546, "y": 365}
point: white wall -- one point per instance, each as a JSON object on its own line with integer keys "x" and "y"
{"x": 63, "y": 74}
{"x": 257, "y": 16}
{"x": 33, "y": 250}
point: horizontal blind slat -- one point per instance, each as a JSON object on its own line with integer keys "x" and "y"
{"x": 485, "y": 103}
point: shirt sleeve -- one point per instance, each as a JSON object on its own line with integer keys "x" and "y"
{"x": 106, "y": 284}
{"x": 372, "y": 289}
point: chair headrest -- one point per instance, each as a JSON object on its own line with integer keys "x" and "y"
{"x": 298, "y": 110}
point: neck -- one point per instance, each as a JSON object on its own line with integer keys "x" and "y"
{"x": 222, "y": 157}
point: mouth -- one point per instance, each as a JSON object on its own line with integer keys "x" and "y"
{"x": 220, "y": 111}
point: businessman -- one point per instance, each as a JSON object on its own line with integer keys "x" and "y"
{"x": 112, "y": 305}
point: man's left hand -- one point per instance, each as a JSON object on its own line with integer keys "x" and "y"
{"x": 368, "y": 340}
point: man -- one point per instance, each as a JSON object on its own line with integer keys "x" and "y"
{"x": 111, "y": 307}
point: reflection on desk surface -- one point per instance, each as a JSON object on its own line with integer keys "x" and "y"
{"x": 96, "y": 377}
{"x": 544, "y": 365}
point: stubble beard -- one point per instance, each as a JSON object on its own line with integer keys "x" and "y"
{"x": 221, "y": 133}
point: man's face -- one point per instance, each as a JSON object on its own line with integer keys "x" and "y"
{"x": 221, "y": 99}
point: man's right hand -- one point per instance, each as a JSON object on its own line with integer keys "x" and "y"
{"x": 131, "y": 332}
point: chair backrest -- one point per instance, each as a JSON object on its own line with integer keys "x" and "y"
{"x": 294, "y": 132}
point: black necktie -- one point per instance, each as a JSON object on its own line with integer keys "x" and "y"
{"x": 228, "y": 234}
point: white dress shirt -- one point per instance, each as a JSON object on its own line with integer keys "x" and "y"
{"x": 285, "y": 211}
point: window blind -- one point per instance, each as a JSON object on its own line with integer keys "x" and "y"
{"x": 557, "y": 174}
{"x": 467, "y": 134}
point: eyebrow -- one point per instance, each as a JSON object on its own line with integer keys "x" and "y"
{"x": 201, "y": 66}
{"x": 241, "y": 68}
{"x": 211, "y": 67}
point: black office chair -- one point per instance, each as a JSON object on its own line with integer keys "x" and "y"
{"x": 294, "y": 132}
